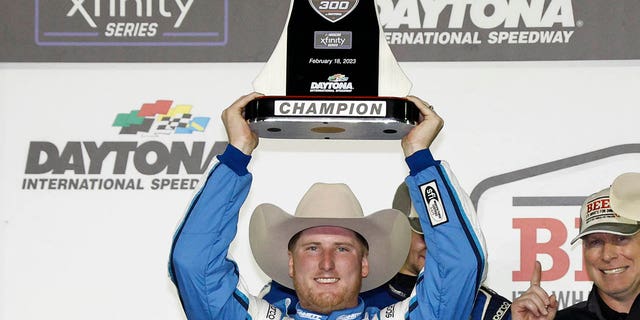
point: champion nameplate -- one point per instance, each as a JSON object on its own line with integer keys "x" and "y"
{"x": 319, "y": 108}
{"x": 333, "y": 10}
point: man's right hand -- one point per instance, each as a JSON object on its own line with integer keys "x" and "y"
{"x": 535, "y": 303}
{"x": 238, "y": 131}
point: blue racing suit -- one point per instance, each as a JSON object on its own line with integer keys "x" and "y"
{"x": 208, "y": 281}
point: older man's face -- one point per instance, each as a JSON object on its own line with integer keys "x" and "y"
{"x": 327, "y": 265}
{"x": 613, "y": 263}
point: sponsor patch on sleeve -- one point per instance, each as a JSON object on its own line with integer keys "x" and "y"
{"x": 433, "y": 201}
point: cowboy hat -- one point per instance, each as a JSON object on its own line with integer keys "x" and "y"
{"x": 386, "y": 232}
{"x": 402, "y": 202}
{"x": 625, "y": 195}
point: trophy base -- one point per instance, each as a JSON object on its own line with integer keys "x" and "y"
{"x": 327, "y": 117}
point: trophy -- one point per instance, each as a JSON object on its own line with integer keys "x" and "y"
{"x": 332, "y": 75}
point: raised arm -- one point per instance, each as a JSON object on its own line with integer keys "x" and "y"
{"x": 455, "y": 261}
{"x": 207, "y": 281}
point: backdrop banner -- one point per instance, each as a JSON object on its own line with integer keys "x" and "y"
{"x": 246, "y": 31}
{"x": 100, "y": 161}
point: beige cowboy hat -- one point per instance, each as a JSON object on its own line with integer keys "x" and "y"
{"x": 625, "y": 195}
{"x": 402, "y": 202}
{"x": 324, "y": 204}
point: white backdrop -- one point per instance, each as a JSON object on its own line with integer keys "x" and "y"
{"x": 102, "y": 254}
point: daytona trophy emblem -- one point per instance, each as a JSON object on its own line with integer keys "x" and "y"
{"x": 333, "y": 10}
{"x": 332, "y": 75}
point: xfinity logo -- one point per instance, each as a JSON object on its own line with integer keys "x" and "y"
{"x": 332, "y": 40}
{"x": 131, "y": 23}
{"x": 143, "y": 8}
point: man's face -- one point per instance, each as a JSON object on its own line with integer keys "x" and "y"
{"x": 415, "y": 258}
{"x": 613, "y": 263}
{"x": 327, "y": 265}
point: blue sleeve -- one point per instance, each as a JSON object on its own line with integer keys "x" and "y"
{"x": 455, "y": 259}
{"x": 205, "y": 278}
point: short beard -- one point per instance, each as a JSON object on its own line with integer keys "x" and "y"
{"x": 325, "y": 303}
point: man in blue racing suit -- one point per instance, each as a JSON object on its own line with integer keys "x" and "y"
{"x": 489, "y": 305}
{"x": 328, "y": 251}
